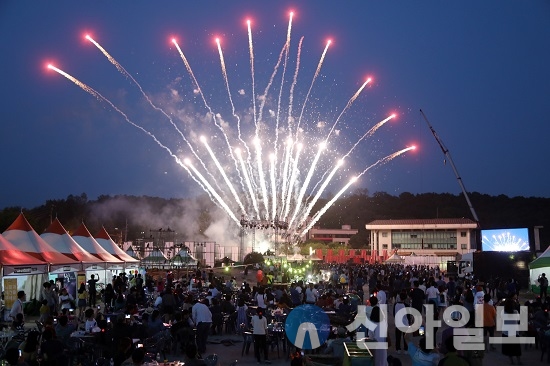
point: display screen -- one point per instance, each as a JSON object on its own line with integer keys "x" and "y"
{"x": 505, "y": 240}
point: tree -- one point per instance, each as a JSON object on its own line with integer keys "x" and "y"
{"x": 253, "y": 258}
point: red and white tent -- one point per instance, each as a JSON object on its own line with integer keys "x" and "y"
{"x": 16, "y": 262}
{"x": 59, "y": 238}
{"x": 21, "y": 234}
{"x": 105, "y": 240}
{"x": 83, "y": 237}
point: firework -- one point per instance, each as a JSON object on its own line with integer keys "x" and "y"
{"x": 258, "y": 170}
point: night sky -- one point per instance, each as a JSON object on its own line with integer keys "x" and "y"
{"x": 479, "y": 70}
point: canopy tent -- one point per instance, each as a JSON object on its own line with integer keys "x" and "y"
{"x": 537, "y": 267}
{"x": 313, "y": 257}
{"x": 22, "y": 235}
{"x": 16, "y": 262}
{"x": 59, "y": 238}
{"x": 295, "y": 258}
{"x": 132, "y": 253}
{"x": 83, "y": 237}
{"x": 155, "y": 259}
{"x": 105, "y": 240}
{"x": 395, "y": 258}
{"x": 184, "y": 259}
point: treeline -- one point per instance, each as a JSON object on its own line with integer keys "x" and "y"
{"x": 138, "y": 214}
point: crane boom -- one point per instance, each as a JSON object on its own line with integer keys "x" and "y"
{"x": 448, "y": 157}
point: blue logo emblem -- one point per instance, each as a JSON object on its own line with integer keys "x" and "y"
{"x": 307, "y": 326}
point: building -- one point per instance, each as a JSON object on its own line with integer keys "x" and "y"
{"x": 423, "y": 237}
{"x": 341, "y": 236}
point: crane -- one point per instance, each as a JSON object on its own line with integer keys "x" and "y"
{"x": 448, "y": 157}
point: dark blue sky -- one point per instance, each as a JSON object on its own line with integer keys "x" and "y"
{"x": 479, "y": 70}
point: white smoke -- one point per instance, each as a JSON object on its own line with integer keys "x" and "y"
{"x": 183, "y": 216}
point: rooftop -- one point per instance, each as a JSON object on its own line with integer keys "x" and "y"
{"x": 407, "y": 222}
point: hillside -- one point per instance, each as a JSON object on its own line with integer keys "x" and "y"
{"x": 132, "y": 217}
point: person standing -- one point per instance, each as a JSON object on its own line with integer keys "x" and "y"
{"x": 417, "y": 297}
{"x": 82, "y": 297}
{"x": 259, "y": 325}
{"x": 92, "y": 290}
{"x": 399, "y": 334}
{"x": 65, "y": 300}
{"x": 17, "y": 307}
{"x": 203, "y": 319}
{"x": 377, "y": 316}
{"x": 451, "y": 288}
{"x": 311, "y": 294}
{"x": 489, "y": 321}
{"x": 49, "y": 294}
{"x": 510, "y": 349}
{"x": 543, "y": 282}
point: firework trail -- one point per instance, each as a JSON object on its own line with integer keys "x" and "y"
{"x": 253, "y": 77}
{"x": 248, "y": 182}
{"x": 263, "y": 98}
{"x": 258, "y": 145}
{"x": 294, "y": 82}
{"x": 197, "y": 86}
{"x": 226, "y": 79}
{"x": 320, "y": 191}
{"x": 312, "y": 82}
{"x": 124, "y": 72}
{"x": 273, "y": 184}
{"x": 273, "y": 187}
{"x": 288, "y": 152}
{"x": 213, "y": 191}
{"x": 100, "y": 97}
{"x": 322, "y": 211}
{"x": 367, "y": 134}
{"x": 285, "y": 63}
{"x": 348, "y": 105}
{"x": 298, "y": 203}
{"x": 222, "y": 172}
{"x": 293, "y": 177}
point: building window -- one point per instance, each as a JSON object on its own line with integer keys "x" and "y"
{"x": 463, "y": 246}
{"x": 384, "y": 234}
{"x": 384, "y": 246}
{"x": 462, "y": 234}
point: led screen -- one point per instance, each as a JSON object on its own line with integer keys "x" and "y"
{"x": 504, "y": 240}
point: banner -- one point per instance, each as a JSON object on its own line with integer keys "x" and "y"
{"x": 10, "y": 292}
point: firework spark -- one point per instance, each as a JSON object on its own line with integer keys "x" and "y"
{"x": 251, "y": 171}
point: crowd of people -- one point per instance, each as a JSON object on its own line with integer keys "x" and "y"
{"x": 188, "y": 310}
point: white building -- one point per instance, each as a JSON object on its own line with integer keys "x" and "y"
{"x": 341, "y": 236}
{"x": 423, "y": 237}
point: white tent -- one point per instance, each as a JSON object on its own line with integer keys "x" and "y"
{"x": 59, "y": 238}
{"x": 16, "y": 262}
{"x": 22, "y": 235}
{"x": 313, "y": 257}
{"x": 105, "y": 240}
{"x": 538, "y": 267}
{"x": 132, "y": 253}
{"x": 83, "y": 237}
{"x": 155, "y": 259}
{"x": 395, "y": 258}
{"x": 295, "y": 258}
{"x": 184, "y": 259}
